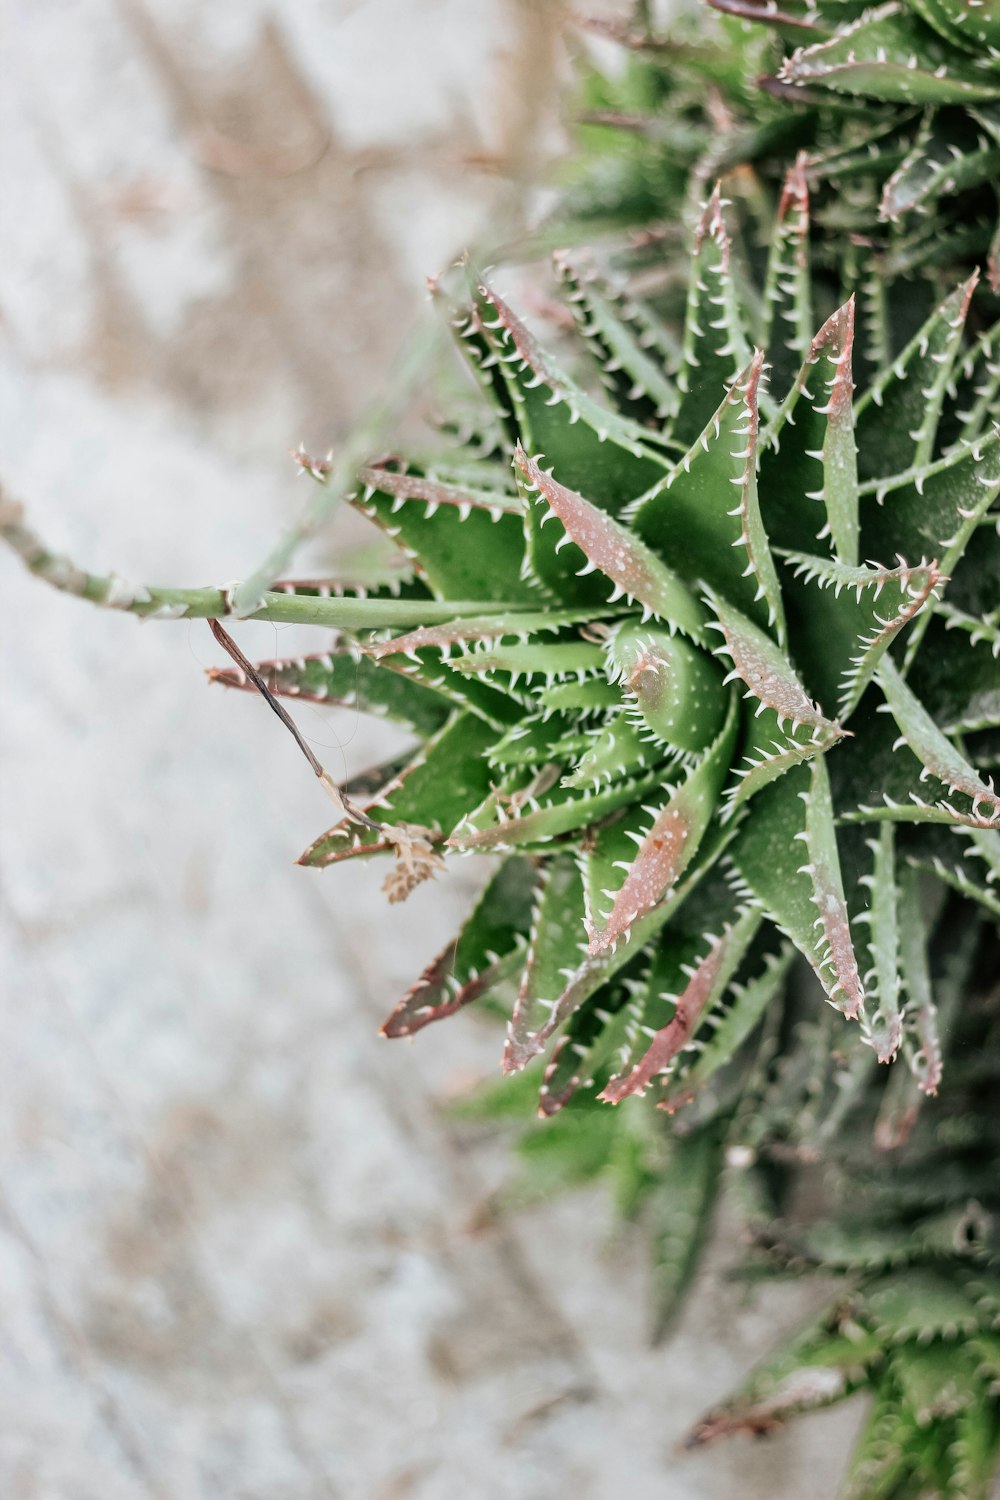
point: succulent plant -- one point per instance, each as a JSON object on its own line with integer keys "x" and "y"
{"x": 699, "y": 638}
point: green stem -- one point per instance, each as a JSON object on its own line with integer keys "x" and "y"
{"x": 216, "y": 603}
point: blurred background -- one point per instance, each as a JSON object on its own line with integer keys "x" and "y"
{"x": 243, "y": 1245}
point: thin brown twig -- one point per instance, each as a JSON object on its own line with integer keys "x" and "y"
{"x": 349, "y": 808}
{"x": 227, "y": 643}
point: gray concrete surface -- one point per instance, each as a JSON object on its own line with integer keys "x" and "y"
{"x": 238, "y": 1248}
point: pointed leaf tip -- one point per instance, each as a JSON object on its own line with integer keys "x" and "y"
{"x": 670, "y": 1039}
{"x": 712, "y": 225}
{"x": 630, "y": 565}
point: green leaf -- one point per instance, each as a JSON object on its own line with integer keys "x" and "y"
{"x": 493, "y": 937}
{"x": 590, "y": 697}
{"x": 557, "y": 941}
{"x": 427, "y": 667}
{"x": 897, "y": 417}
{"x": 798, "y": 810}
{"x": 614, "y": 751}
{"x": 888, "y": 54}
{"x": 885, "y": 1454}
{"x": 590, "y": 446}
{"x": 519, "y": 626}
{"x": 702, "y": 985}
{"x": 787, "y": 289}
{"x": 920, "y": 1303}
{"x": 765, "y": 671}
{"x": 744, "y": 1007}
{"x": 544, "y": 816}
{"x": 463, "y": 554}
{"x": 715, "y": 347}
{"x": 922, "y": 1039}
{"x": 434, "y": 790}
{"x": 674, "y": 690}
{"x": 843, "y": 638}
{"x": 548, "y": 662}
{"x": 679, "y": 1213}
{"x": 823, "y": 1364}
{"x": 808, "y": 451}
{"x": 598, "y": 969}
{"x": 607, "y": 545}
{"x": 344, "y": 678}
{"x": 766, "y": 753}
{"x": 942, "y": 162}
{"x": 936, "y": 753}
{"x": 594, "y": 1037}
{"x": 671, "y": 842}
{"x": 633, "y": 349}
{"x": 706, "y": 511}
{"x": 535, "y": 741}
{"x": 883, "y": 980}
{"x": 956, "y": 672}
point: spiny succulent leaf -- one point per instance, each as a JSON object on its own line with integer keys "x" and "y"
{"x": 703, "y": 989}
{"x": 884, "y": 1022}
{"x": 882, "y": 1458}
{"x": 535, "y": 741}
{"x": 589, "y": 445}
{"x": 797, "y": 809}
{"x": 671, "y": 841}
{"x": 938, "y": 164}
{"x": 587, "y": 698}
{"x": 633, "y": 349}
{"x": 920, "y": 1303}
{"x": 808, "y": 452}
{"x": 343, "y": 678}
{"x": 549, "y": 814}
{"x": 614, "y": 751}
{"x": 483, "y": 627}
{"x": 767, "y": 752}
{"x": 402, "y": 485}
{"x": 674, "y": 689}
{"x": 594, "y": 1036}
{"x": 978, "y": 384}
{"x": 679, "y": 1213}
{"x": 787, "y": 288}
{"x": 922, "y": 1039}
{"x": 551, "y": 661}
{"x": 888, "y": 54}
{"x": 873, "y": 151}
{"x": 963, "y": 699}
{"x": 765, "y": 671}
{"x": 597, "y": 969}
{"x": 715, "y": 347}
{"x": 608, "y": 545}
{"x": 932, "y": 747}
{"x": 951, "y": 855}
{"x": 474, "y": 554}
{"x": 432, "y": 792}
{"x": 973, "y": 29}
{"x": 494, "y": 934}
{"x": 745, "y": 1005}
{"x": 557, "y": 941}
{"x": 845, "y": 624}
{"x": 707, "y": 506}
{"x": 426, "y": 666}
{"x": 823, "y": 1364}
{"x": 897, "y": 417}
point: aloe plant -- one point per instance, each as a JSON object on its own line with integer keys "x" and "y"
{"x": 699, "y": 634}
